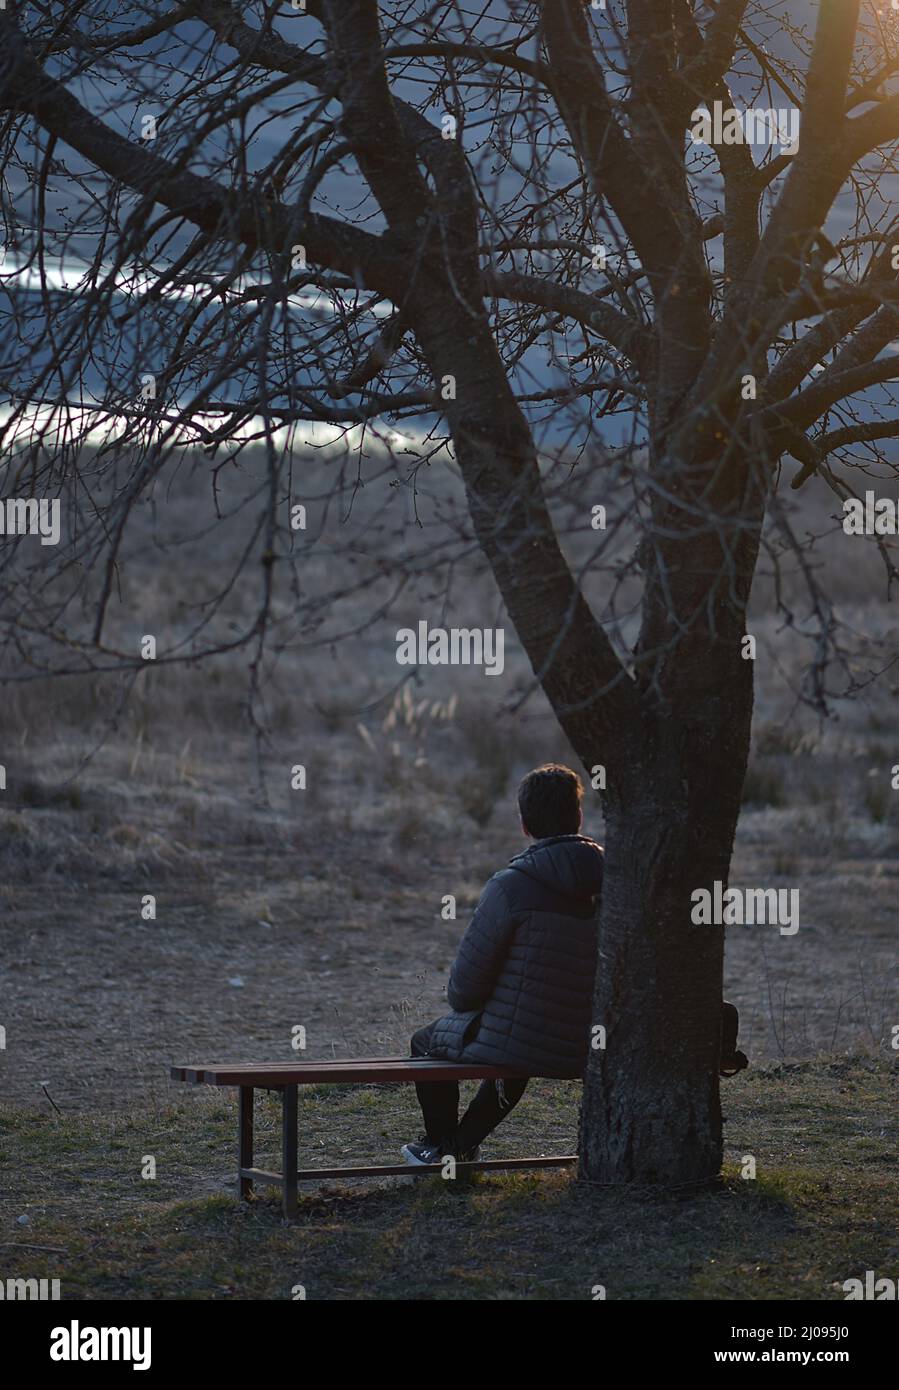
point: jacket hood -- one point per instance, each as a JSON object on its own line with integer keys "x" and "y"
{"x": 567, "y": 864}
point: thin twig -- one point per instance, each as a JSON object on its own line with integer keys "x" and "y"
{"x": 50, "y": 1099}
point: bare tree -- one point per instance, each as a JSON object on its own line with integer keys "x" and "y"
{"x": 526, "y": 189}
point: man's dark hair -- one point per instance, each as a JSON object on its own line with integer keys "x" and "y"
{"x": 549, "y": 801}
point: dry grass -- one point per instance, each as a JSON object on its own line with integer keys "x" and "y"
{"x": 820, "y": 1210}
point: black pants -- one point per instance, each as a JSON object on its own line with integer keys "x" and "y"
{"x": 439, "y": 1101}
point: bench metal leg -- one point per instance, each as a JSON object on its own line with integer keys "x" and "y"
{"x": 245, "y": 1140}
{"x": 289, "y": 1149}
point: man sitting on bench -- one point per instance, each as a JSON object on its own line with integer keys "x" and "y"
{"x": 521, "y": 986}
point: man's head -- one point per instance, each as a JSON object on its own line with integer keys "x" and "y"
{"x": 549, "y": 801}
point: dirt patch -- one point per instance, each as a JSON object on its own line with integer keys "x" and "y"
{"x": 278, "y": 919}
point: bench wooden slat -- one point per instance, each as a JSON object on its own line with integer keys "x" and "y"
{"x": 369, "y": 1071}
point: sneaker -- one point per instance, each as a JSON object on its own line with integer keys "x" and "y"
{"x": 420, "y": 1155}
{"x": 424, "y": 1153}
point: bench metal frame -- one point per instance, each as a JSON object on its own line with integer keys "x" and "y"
{"x": 380, "y": 1071}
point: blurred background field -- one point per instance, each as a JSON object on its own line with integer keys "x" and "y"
{"x": 322, "y": 907}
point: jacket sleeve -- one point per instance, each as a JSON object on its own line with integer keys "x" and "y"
{"x": 482, "y": 950}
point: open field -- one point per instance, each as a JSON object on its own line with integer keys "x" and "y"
{"x": 330, "y": 918}
{"x": 323, "y": 908}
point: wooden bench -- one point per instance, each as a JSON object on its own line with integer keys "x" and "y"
{"x": 374, "y": 1071}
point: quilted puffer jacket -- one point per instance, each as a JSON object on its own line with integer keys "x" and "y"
{"x": 521, "y": 986}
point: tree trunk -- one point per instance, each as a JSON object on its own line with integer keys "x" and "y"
{"x": 674, "y": 741}
{"x": 651, "y": 1110}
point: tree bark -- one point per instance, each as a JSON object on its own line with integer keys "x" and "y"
{"x": 650, "y": 1111}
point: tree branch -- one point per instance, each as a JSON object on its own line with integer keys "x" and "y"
{"x": 623, "y": 333}
{"x": 218, "y": 211}
{"x": 710, "y": 64}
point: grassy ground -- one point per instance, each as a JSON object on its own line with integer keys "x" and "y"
{"x": 821, "y": 1209}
